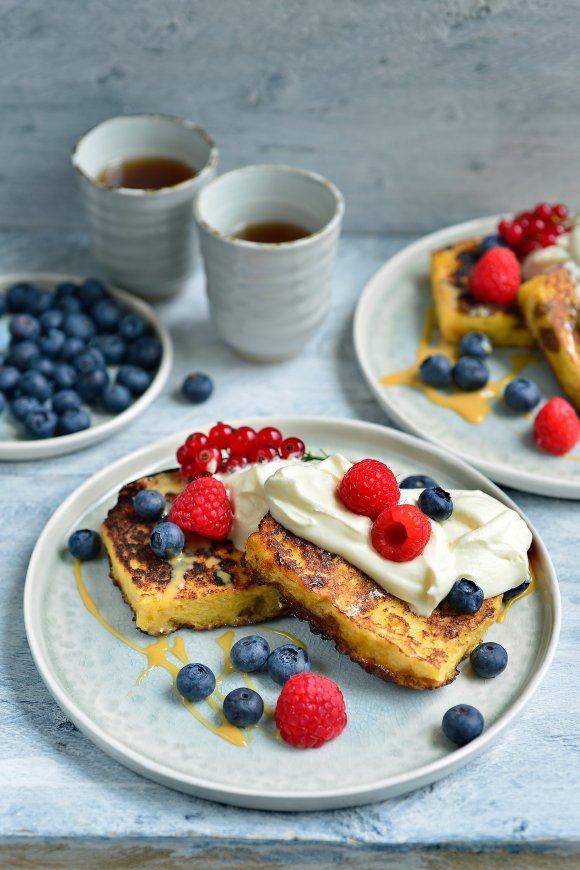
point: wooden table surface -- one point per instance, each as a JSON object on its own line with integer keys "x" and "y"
{"x": 61, "y": 791}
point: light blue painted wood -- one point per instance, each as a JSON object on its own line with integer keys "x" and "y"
{"x": 523, "y": 794}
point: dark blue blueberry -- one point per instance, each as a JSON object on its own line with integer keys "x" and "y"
{"x": 22, "y": 353}
{"x": 24, "y": 327}
{"x": 149, "y": 504}
{"x": 68, "y": 305}
{"x": 51, "y": 319}
{"x": 435, "y": 371}
{"x": 90, "y": 386}
{"x": 52, "y": 343}
{"x": 2, "y": 402}
{"x": 145, "y": 353}
{"x": 470, "y": 373}
{"x": 489, "y": 659}
{"x": 517, "y": 590}
{"x": 41, "y": 423}
{"x": 243, "y": 707}
{"x": 195, "y": 682}
{"x": 84, "y": 544}
{"x": 17, "y": 298}
{"x": 135, "y": 379}
{"x": 462, "y": 724}
{"x": 78, "y": 326}
{"x": 417, "y": 481}
{"x": 90, "y": 292}
{"x": 167, "y": 540}
{"x": 43, "y": 365}
{"x": 107, "y": 315}
{"x": 115, "y": 398}
{"x": 71, "y": 348}
{"x": 66, "y": 290}
{"x": 9, "y": 378}
{"x": 64, "y": 376}
{"x": 21, "y": 406}
{"x": 197, "y": 388}
{"x": 475, "y": 344}
{"x": 464, "y": 597}
{"x": 490, "y": 242}
{"x": 73, "y": 421}
{"x": 522, "y": 395}
{"x": 131, "y": 327}
{"x": 65, "y": 400}
{"x": 36, "y": 385}
{"x": 436, "y": 503}
{"x": 88, "y": 360}
{"x": 40, "y": 301}
{"x": 2, "y": 306}
{"x": 287, "y": 660}
{"x": 250, "y": 653}
{"x": 111, "y": 346}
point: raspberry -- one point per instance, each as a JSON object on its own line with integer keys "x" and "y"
{"x": 401, "y": 533}
{"x": 556, "y": 427}
{"x": 496, "y": 277}
{"x": 203, "y": 507}
{"x": 368, "y": 487}
{"x": 310, "y": 711}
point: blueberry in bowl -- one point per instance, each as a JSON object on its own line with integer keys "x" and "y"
{"x": 243, "y": 707}
{"x": 435, "y": 371}
{"x": 436, "y": 503}
{"x": 195, "y": 682}
{"x": 417, "y": 481}
{"x": 250, "y": 653}
{"x": 286, "y": 660}
{"x": 470, "y": 373}
{"x": 462, "y": 724}
{"x": 489, "y": 659}
{"x": 464, "y": 597}
{"x": 522, "y": 395}
{"x": 84, "y": 544}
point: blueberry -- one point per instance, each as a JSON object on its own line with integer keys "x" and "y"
{"x": 465, "y": 596}
{"x": 68, "y": 305}
{"x": 522, "y": 395}
{"x": 64, "y": 376}
{"x": 116, "y": 398}
{"x": 167, "y": 540}
{"x": 36, "y": 385}
{"x": 494, "y": 241}
{"x": 106, "y": 315}
{"x": 90, "y": 386}
{"x": 17, "y": 298}
{"x": 21, "y": 406}
{"x": 435, "y": 503}
{"x": 88, "y": 361}
{"x": 65, "y": 400}
{"x": 145, "y": 352}
{"x": 52, "y": 343}
{"x": 2, "y": 402}
{"x": 9, "y": 378}
{"x": 197, "y": 388}
{"x": 41, "y": 423}
{"x": 72, "y": 347}
{"x": 51, "y": 319}
{"x": 112, "y": 348}
{"x": 149, "y": 504}
{"x": 435, "y": 371}
{"x": 475, "y": 344}
{"x": 250, "y": 653}
{"x": 195, "y": 682}
{"x": 84, "y": 544}
{"x": 66, "y": 290}
{"x": 90, "y": 292}
{"x": 73, "y": 420}
{"x": 287, "y": 660}
{"x": 78, "y": 326}
{"x": 40, "y": 301}
{"x": 417, "y": 481}
{"x": 135, "y": 379}
{"x": 243, "y": 707}
{"x": 24, "y": 327}
{"x": 489, "y": 659}
{"x": 2, "y": 306}
{"x": 43, "y": 365}
{"x": 462, "y": 724}
{"x": 517, "y": 590}
{"x": 470, "y": 373}
{"x": 131, "y": 327}
{"x": 22, "y": 353}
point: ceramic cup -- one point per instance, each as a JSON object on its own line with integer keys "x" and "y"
{"x": 267, "y": 300}
{"x": 145, "y": 240}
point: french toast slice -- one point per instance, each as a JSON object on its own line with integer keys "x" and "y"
{"x": 458, "y": 312}
{"x": 207, "y": 586}
{"x": 551, "y": 306}
{"x": 377, "y": 630}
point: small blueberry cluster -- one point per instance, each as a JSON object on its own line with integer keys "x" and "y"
{"x": 65, "y": 346}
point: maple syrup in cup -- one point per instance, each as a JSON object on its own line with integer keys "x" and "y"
{"x": 139, "y": 176}
{"x": 268, "y": 237}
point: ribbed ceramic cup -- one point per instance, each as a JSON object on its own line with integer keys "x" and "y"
{"x": 267, "y": 300}
{"x": 145, "y": 240}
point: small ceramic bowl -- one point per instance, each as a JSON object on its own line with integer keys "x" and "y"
{"x": 145, "y": 240}
{"x": 267, "y": 299}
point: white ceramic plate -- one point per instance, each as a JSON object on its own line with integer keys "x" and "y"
{"x": 14, "y": 445}
{"x": 392, "y": 743}
{"x": 388, "y": 322}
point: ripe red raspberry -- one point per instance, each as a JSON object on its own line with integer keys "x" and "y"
{"x": 401, "y": 533}
{"x": 368, "y": 488}
{"x": 556, "y": 427}
{"x": 310, "y": 711}
{"x": 203, "y": 507}
{"x": 496, "y": 277}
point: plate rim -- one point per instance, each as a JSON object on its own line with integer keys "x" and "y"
{"x": 535, "y": 483}
{"x": 18, "y": 451}
{"x": 324, "y": 798}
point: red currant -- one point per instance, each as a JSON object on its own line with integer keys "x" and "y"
{"x": 234, "y": 462}
{"x": 548, "y": 239}
{"x": 242, "y": 440}
{"x": 208, "y": 459}
{"x": 182, "y": 454}
{"x": 269, "y": 436}
{"x": 292, "y": 448}
{"x": 543, "y": 211}
{"x": 537, "y": 226}
{"x": 503, "y": 228}
{"x": 560, "y": 211}
{"x": 196, "y": 439}
{"x": 189, "y": 469}
{"x": 514, "y": 235}
{"x": 220, "y": 435}
{"x": 526, "y": 247}
{"x": 262, "y": 454}
{"x": 524, "y": 219}
{"x": 560, "y": 229}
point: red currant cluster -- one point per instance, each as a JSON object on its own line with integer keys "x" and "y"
{"x": 225, "y": 449}
{"x": 531, "y": 230}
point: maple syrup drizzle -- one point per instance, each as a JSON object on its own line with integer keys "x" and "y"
{"x": 524, "y": 594}
{"x": 472, "y": 406}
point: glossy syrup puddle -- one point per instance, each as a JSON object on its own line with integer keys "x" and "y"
{"x": 156, "y": 654}
{"x": 473, "y": 407}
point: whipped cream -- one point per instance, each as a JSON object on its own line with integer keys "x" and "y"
{"x": 566, "y": 252}
{"x": 482, "y": 541}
